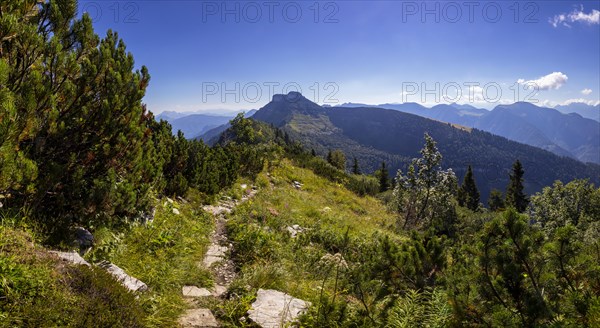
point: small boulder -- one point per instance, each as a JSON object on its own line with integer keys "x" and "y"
{"x": 71, "y": 257}
{"x": 83, "y": 238}
{"x": 126, "y": 280}
{"x": 294, "y": 230}
{"x": 274, "y": 309}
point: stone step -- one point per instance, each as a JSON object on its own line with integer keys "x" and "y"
{"x": 193, "y": 291}
{"x": 198, "y": 318}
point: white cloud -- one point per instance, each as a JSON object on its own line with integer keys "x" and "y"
{"x": 577, "y": 15}
{"x": 548, "y": 103}
{"x": 581, "y": 100}
{"x": 553, "y": 80}
{"x": 586, "y": 91}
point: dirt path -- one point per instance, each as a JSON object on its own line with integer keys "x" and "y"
{"x": 218, "y": 261}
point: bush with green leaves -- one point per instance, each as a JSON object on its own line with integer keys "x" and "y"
{"x": 38, "y": 290}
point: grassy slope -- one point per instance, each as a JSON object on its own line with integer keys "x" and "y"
{"x": 163, "y": 254}
{"x": 269, "y": 258}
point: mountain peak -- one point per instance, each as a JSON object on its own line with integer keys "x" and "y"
{"x": 292, "y": 96}
{"x": 283, "y": 107}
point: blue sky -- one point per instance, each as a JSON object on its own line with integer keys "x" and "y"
{"x": 202, "y": 55}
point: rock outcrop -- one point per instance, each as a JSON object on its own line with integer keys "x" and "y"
{"x": 274, "y": 309}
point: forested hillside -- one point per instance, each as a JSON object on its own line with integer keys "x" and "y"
{"x": 374, "y": 135}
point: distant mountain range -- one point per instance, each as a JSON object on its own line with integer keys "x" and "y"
{"x": 212, "y": 136}
{"x": 193, "y": 125}
{"x": 374, "y": 134}
{"x": 585, "y": 110}
{"x": 571, "y": 134}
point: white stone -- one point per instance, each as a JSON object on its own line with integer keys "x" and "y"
{"x": 193, "y": 291}
{"x": 219, "y": 290}
{"x": 198, "y": 318}
{"x": 126, "y": 280}
{"x": 292, "y": 232}
{"x": 175, "y": 211}
{"x": 214, "y": 254}
{"x": 274, "y": 309}
{"x": 71, "y": 257}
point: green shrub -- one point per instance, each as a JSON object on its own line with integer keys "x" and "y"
{"x": 102, "y": 301}
{"x": 37, "y": 290}
{"x": 252, "y": 243}
{"x": 363, "y": 185}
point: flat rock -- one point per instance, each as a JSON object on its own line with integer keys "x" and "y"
{"x": 193, "y": 291}
{"x": 71, "y": 257}
{"x": 214, "y": 254}
{"x": 274, "y": 309}
{"x": 198, "y": 318}
{"x": 128, "y": 281}
{"x": 219, "y": 290}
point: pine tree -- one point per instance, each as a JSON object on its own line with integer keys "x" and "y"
{"x": 355, "y": 167}
{"x": 511, "y": 261}
{"x": 82, "y": 143}
{"x": 515, "y": 197}
{"x": 423, "y": 196}
{"x": 384, "y": 178}
{"x": 496, "y": 200}
{"x": 468, "y": 193}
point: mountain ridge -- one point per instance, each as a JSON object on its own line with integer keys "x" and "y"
{"x": 551, "y": 129}
{"x": 375, "y": 134}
